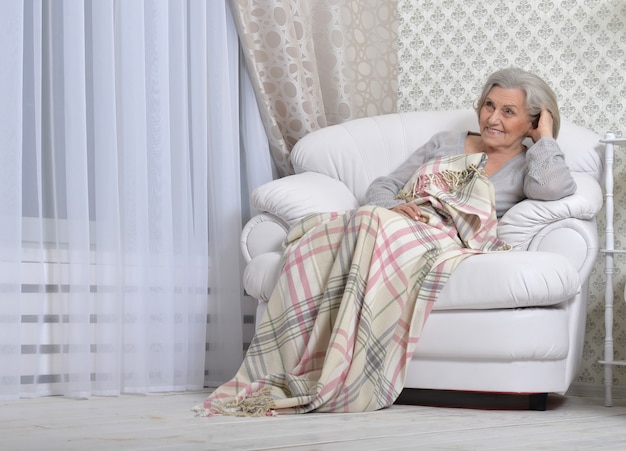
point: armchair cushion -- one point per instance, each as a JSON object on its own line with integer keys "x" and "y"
{"x": 486, "y": 281}
{"x": 509, "y": 280}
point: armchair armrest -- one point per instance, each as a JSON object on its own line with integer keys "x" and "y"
{"x": 524, "y": 221}
{"x": 293, "y": 197}
{"x": 263, "y": 233}
{"x": 575, "y": 239}
{"x": 278, "y": 205}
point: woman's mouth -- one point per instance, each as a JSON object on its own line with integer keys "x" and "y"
{"x": 493, "y": 131}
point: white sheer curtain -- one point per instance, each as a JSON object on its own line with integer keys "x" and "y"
{"x": 120, "y": 197}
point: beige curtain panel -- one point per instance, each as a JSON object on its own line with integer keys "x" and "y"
{"x": 315, "y": 63}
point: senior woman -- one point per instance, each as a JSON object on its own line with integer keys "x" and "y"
{"x": 357, "y": 286}
{"x": 514, "y": 105}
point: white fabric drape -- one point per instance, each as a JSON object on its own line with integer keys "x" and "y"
{"x": 120, "y": 197}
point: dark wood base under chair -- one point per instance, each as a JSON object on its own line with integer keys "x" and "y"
{"x": 538, "y": 401}
{"x": 474, "y": 400}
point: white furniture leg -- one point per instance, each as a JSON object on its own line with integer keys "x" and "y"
{"x": 610, "y": 251}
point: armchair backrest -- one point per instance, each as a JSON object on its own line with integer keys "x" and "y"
{"x": 357, "y": 151}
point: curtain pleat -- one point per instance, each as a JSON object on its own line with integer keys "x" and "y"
{"x": 225, "y": 208}
{"x": 315, "y": 63}
{"x": 12, "y": 20}
{"x": 121, "y": 197}
{"x": 103, "y": 136}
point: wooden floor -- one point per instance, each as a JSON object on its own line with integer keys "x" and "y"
{"x": 442, "y": 421}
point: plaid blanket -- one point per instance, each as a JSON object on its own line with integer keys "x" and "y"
{"x": 354, "y": 294}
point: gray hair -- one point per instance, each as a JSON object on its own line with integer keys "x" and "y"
{"x": 538, "y": 94}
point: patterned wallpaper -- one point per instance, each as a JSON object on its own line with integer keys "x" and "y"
{"x": 446, "y": 50}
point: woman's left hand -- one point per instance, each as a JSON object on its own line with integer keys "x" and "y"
{"x": 544, "y": 127}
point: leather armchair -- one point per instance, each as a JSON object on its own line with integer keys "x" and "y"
{"x": 511, "y": 322}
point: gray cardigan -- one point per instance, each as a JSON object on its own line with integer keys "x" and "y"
{"x": 539, "y": 173}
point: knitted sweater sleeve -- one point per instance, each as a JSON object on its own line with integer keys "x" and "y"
{"x": 383, "y": 190}
{"x": 548, "y": 176}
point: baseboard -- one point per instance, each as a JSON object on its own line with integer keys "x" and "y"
{"x": 595, "y": 390}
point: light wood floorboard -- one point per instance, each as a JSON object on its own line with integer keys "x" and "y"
{"x": 424, "y": 420}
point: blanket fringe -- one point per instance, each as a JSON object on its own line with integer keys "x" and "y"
{"x": 446, "y": 179}
{"x": 257, "y": 404}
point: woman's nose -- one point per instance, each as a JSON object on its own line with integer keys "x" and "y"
{"x": 493, "y": 116}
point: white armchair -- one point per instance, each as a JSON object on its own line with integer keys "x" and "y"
{"x": 510, "y": 322}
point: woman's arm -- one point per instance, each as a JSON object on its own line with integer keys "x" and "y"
{"x": 383, "y": 190}
{"x": 548, "y": 177}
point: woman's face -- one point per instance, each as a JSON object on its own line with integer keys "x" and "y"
{"x": 503, "y": 119}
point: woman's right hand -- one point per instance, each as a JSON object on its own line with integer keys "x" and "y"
{"x": 410, "y": 210}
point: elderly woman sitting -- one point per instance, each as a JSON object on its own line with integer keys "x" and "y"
{"x": 357, "y": 286}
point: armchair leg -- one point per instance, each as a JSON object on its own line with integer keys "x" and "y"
{"x": 537, "y": 401}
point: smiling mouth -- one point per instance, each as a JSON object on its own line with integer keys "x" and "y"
{"x": 493, "y": 131}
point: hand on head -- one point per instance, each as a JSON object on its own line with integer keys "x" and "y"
{"x": 544, "y": 126}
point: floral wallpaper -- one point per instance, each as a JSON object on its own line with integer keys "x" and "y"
{"x": 447, "y": 48}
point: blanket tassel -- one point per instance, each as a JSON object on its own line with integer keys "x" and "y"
{"x": 257, "y": 404}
